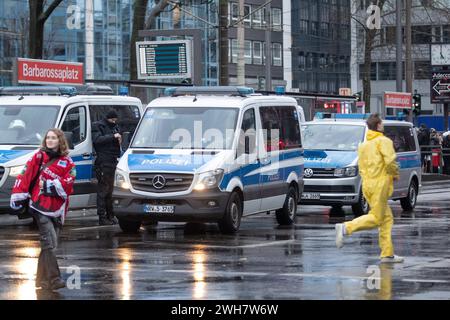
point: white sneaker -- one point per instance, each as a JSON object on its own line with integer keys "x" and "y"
{"x": 339, "y": 228}
{"x": 393, "y": 259}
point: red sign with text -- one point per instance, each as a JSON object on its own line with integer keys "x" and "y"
{"x": 401, "y": 100}
{"x": 49, "y": 72}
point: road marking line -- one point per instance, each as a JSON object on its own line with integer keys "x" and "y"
{"x": 426, "y": 281}
{"x": 92, "y": 228}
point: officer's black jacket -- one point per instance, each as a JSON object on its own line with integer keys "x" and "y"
{"x": 106, "y": 146}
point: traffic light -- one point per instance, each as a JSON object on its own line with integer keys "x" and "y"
{"x": 417, "y": 103}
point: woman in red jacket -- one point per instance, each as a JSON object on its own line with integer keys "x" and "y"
{"x": 54, "y": 173}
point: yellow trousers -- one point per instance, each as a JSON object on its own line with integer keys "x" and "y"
{"x": 377, "y": 193}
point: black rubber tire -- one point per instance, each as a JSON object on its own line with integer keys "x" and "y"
{"x": 231, "y": 220}
{"x": 362, "y": 207}
{"x": 286, "y": 215}
{"x": 130, "y": 226}
{"x": 409, "y": 203}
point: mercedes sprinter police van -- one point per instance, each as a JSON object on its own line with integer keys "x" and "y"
{"x": 26, "y": 113}
{"x": 211, "y": 154}
{"x": 331, "y": 162}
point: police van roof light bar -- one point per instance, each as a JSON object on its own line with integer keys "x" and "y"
{"x": 38, "y": 90}
{"x": 216, "y": 90}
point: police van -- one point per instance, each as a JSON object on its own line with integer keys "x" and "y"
{"x": 212, "y": 154}
{"x": 331, "y": 162}
{"x": 26, "y": 113}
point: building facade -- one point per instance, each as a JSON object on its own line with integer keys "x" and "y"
{"x": 65, "y": 36}
{"x": 321, "y": 45}
{"x": 429, "y": 25}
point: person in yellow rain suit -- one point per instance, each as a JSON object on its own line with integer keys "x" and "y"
{"x": 378, "y": 169}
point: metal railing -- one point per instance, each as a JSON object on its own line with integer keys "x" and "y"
{"x": 435, "y": 159}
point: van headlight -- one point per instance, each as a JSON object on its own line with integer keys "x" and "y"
{"x": 346, "y": 172}
{"x": 15, "y": 171}
{"x": 120, "y": 180}
{"x": 209, "y": 180}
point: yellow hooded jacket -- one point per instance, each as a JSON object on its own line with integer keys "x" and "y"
{"x": 377, "y": 161}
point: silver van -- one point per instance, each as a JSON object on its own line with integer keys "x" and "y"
{"x": 331, "y": 163}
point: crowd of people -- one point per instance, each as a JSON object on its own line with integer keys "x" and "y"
{"x": 434, "y": 142}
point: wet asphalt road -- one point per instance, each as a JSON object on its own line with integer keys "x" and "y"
{"x": 264, "y": 261}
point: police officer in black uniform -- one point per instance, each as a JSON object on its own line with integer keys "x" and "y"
{"x": 107, "y": 141}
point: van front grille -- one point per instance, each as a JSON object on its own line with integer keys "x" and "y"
{"x": 329, "y": 189}
{"x": 161, "y": 182}
{"x": 321, "y": 173}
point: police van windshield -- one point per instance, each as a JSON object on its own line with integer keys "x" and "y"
{"x": 187, "y": 128}
{"x": 26, "y": 125}
{"x": 332, "y": 137}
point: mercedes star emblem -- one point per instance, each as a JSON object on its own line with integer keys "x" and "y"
{"x": 159, "y": 182}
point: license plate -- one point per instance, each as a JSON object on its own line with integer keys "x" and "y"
{"x": 311, "y": 196}
{"x": 158, "y": 209}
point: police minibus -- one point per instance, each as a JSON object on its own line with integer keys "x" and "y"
{"x": 331, "y": 162}
{"x": 26, "y": 113}
{"x": 212, "y": 154}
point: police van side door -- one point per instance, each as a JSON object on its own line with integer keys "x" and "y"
{"x": 75, "y": 122}
{"x": 247, "y": 158}
{"x": 272, "y": 183}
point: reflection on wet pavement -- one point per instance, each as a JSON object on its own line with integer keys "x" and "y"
{"x": 263, "y": 261}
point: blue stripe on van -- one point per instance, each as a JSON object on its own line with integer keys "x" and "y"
{"x": 409, "y": 161}
{"x": 254, "y": 179}
{"x": 8, "y": 155}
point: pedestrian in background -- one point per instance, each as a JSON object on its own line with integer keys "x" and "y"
{"x": 378, "y": 168}
{"x": 107, "y": 142}
{"x": 48, "y": 200}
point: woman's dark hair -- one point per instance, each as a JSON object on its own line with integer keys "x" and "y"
{"x": 373, "y": 121}
{"x": 63, "y": 144}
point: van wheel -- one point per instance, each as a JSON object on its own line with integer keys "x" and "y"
{"x": 231, "y": 220}
{"x": 409, "y": 203}
{"x": 286, "y": 215}
{"x": 361, "y": 207}
{"x": 129, "y": 226}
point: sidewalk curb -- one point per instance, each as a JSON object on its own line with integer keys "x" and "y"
{"x": 435, "y": 183}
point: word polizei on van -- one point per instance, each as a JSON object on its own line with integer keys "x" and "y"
{"x": 212, "y": 154}
{"x": 26, "y": 113}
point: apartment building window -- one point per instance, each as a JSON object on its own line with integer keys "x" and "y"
{"x": 277, "y": 59}
{"x": 257, "y": 18}
{"x": 446, "y": 33}
{"x": 314, "y": 28}
{"x": 303, "y": 26}
{"x": 257, "y": 52}
{"x": 302, "y": 61}
{"x": 437, "y": 34}
{"x": 234, "y": 12}
{"x": 276, "y": 19}
{"x": 324, "y": 29}
{"x": 247, "y": 20}
{"x": 309, "y": 61}
{"x": 248, "y": 52}
{"x": 422, "y": 70}
{"x": 387, "y": 70}
{"x": 234, "y": 50}
{"x": 421, "y": 34}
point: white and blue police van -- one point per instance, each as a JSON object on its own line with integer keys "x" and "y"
{"x": 331, "y": 172}
{"x": 26, "y": 113}
{"x": 211, "y": 154}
